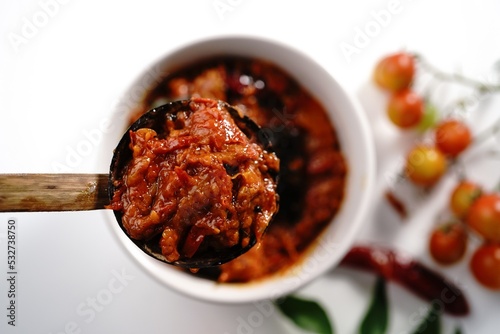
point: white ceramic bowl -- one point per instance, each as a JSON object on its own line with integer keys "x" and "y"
{"x": 356, "y": 142}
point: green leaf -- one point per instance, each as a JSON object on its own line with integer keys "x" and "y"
{"x": 432, "y": 322}
{"x": 458, "y": 330}
{"x": 376, "y": 318}
{"x": 306, "y": 314}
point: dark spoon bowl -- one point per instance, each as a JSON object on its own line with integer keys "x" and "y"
{"x": 155, "y": 119}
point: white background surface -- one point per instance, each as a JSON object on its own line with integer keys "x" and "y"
{"x": 63, "y": 78}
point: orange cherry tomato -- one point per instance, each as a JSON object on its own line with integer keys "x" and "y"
{"x": 425, "y": 165}
{"x": 406, "y": 109}
{"x": 484, "y": 216}
{"x": 462, "y": 197}
{"x": 395, "y": 72}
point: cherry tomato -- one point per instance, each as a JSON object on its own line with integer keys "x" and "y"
{"x": 485, "y": 265}
{"x": 452, "y": 137}
{"x": 462, "y": 197}
{"x": 425, "y": 165}
{"x": 484, "y": 216}
{"x": 395, "y": 72}
{"x": 405, "y": 109}
{"x": 448, "y": 242}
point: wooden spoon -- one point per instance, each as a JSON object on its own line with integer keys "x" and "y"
{"x": 80, "y": 192}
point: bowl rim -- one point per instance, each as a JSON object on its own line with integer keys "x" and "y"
{"x": 277, "y": 285}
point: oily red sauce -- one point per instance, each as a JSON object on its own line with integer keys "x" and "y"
{"x": 312, "y": 167}
{"x": 202, "y": 185}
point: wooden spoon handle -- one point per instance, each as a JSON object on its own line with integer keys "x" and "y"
{"x": 53, "y": 192}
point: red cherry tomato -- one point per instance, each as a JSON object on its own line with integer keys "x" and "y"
{"x": 484, "y": 216}
{"x": 405, "y": 109}
{"x": 425, "y": 165}
{"x": 462, "y": 197}
{"x": 452, "y": 137}
{"x": 448, "y": 243}
{"x": 395, "y": 72}
{"x": 485, "y": 265}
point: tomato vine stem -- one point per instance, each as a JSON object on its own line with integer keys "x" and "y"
{"x": 480, "y": 86}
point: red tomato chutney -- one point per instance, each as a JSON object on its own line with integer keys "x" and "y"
{"x": 313, "y": 170}
{"x": 202, "y": 185}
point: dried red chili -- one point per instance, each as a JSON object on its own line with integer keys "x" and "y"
{"x": 411, "y": 274}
